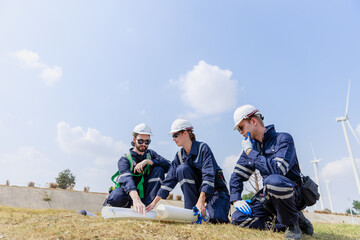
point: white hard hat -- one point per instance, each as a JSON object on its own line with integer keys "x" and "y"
{"x": 180, "y": 124}
{"x": 142, "y": 128}
{"x": 244, "y": 112}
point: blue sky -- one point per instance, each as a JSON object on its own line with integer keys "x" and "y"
{"x": 76, "y": 77}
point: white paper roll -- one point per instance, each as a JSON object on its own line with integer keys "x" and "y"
{"x": 170, "y": 213}
{"x": 116, "y": 212}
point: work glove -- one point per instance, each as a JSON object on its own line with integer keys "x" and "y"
{"x": 247, "y": 143}
{"x": 200, "y": 217}
{"x": 243, "y": 206}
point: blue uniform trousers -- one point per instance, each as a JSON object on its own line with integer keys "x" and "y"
{"x": 284, "y": 196}
{"x": 218, "y": 205}
{"x": 152, "y": 183}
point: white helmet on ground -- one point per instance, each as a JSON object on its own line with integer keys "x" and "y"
{"x": 244, "y": 112}
{"x": 142, "y": 128}
{"x": 180, "y": 124}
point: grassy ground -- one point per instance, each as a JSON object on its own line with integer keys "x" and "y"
{"x": 19, "y": 223}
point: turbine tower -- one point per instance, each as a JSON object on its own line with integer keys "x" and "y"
{"x": 315, "y": 162}
{"x": 327, "y": 181}
{"x": 343, "y": 120}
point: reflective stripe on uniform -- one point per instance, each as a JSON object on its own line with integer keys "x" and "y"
{"x": 155, "y": 180}
{"x": 191, "y": 181}
{"x": 280, "y": 164}
{"x": 255, "y": 219}
{"x": 244, "y": 168}
{"x": 167, "y": 188}
{"x": 279, "y": 189}
{"x": 124, "y": 174}
{"x": 211, "y": 184}
{"x": 281, "y": 196}
{"x": 197, "y": 158}
{"x": 246, "y": 221}
{"x": 246, "y": 176}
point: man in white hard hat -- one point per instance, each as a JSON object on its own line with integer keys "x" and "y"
{"x": 141, "y": 172}
{"x": 200, "y": 177}
{"x": 273, "y": 155}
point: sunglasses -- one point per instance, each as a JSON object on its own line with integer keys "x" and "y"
{"x": 240, "y": 128}
{"x": 142, "y": 141}
{"x": 175, "y": 135}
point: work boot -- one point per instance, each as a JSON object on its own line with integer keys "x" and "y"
{"x": 305, "y": 225}
{"x": 293, "y": 232}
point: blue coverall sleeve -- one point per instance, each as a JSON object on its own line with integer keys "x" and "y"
{"x": 281, "y": 157}
{"x": 125, "y": 177}
{"x": 242, "y": 172}
{"x": 170, "y": 180}
{"x": 160, "y": 161}
{"x": 208, "y": 170}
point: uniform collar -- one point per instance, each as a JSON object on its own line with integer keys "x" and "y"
{"x": 194, "y": 148}
{"x": 269, "y": 133}
{"x": 135, "y": 154}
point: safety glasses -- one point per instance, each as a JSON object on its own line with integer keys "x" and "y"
{"x": 240, "y": 128}
{"x": 142, "y": 141}
{"x": 175, "y": 135}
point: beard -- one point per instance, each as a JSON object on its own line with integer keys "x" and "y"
{"x": 141, "y": 148}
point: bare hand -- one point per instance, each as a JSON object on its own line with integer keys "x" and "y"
{"x": 150, "y": 206}
{"x": 139, "y": 168}
{"x": 139, "y": 207}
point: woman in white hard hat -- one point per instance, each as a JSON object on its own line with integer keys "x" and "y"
{"x": 200, "y": 177}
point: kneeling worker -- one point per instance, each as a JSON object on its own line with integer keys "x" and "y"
{"x": 141, "y": 172}
{"x": 200, "y": 177}
{"x": 273, "y": 155}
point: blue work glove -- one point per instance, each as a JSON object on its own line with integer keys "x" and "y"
{"x": 200, "y": 217}
{"x": 247, "y": 143}
{"x": 243, "y": 206}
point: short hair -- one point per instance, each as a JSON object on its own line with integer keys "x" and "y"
{"x": 259, "y": 118}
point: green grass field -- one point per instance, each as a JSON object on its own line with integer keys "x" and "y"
{"x": 20, "y": 223}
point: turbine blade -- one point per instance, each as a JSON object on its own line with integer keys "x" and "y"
{"x": 347, "y": 100}
{"x": 312, "y": 148}
{"x": 353, "y": 132}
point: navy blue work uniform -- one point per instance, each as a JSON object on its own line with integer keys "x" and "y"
{"x": 276, "y": 160}
{"x": 120, "y": 196}
{"x": 198, "y": 172}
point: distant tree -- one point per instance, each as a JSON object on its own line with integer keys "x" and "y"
{"x": 248, "y": 196}
{"x": 356, "y": 205}
{"x": 65, "y": 179}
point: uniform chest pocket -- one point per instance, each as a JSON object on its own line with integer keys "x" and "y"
{"x": 270, "y": 151}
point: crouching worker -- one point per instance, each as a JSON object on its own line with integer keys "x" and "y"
{"x": 141, "y": 172}
{"x": 201, "y": 179}
{"x": 273, "y": 155}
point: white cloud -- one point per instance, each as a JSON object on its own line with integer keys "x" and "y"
{"x": 336, "y": 169}
{"x": 208, "y": 89}
{"x": 25, "y": 165}
{"x": 89, "y": 143}
{"x": 357, "y": 130}
{"x": 51, "y": 75}
{"x": 30, "y": 59}
{"x": 229, "y": 165}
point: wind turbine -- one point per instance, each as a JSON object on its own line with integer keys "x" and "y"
{"x": 327, "y": 181}
{"x": 343, "y": 120}
{"x": 315, "y": 162}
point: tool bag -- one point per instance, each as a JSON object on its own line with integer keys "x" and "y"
{"x": 309, "y": 190}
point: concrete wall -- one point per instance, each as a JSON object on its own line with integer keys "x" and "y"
{"x": 27, "y": 197}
